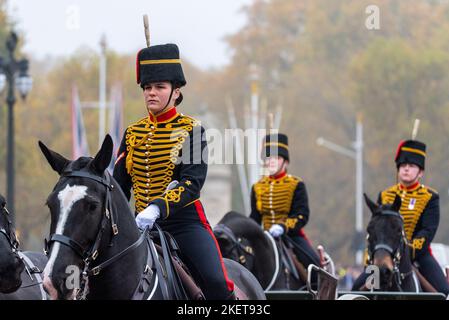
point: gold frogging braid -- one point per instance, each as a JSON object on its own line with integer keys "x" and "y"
{"x": 153, "y": 150}
{"x": 274, "y": 199}
{"x": 410, "y": 213}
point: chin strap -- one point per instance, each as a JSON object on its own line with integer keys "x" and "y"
{"x": 168, "y": 102}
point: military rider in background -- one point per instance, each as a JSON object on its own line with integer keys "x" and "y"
{"x": 420, "y": 209}
{"x": 279, "y": 201}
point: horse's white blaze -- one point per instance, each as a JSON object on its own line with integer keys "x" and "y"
{"x": 67, "y": 199}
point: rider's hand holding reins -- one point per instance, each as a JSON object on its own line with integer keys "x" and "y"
{"x": 147, "y": 216}
{"x": 276, "y": 230}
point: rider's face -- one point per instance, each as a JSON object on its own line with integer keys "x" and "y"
{"x": 275, "y": 164}
{"x": 409, "y": 173}
{"x": 156, "y": 96}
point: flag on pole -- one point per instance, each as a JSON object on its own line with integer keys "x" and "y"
{"x": 80, "y": 146}
{"x": 116, "y": 122}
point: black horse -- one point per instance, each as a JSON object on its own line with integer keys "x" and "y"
{"x": 92, "y": 224}
{"x": 19, "y": 271}
{"x": 243, "y": 240}
{"x": 388, "y": 251}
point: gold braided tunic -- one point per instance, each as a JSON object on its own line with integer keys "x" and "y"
{"x": 420, "y": 210}
{"x": 280, "y": 200}
{"x": 150, "y": 157}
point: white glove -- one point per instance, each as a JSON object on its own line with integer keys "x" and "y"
{"x": 147, "y": 216}
{"x": 276, "y": 230}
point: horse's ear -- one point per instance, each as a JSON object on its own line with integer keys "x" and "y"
{"x": 103, "y": 157}
{"x": 374, "y": 208}
{"x": 56, "y": 161}
{"x": 397, "y": 203}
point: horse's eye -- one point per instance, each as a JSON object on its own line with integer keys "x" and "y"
{"x": 92, "y": 206}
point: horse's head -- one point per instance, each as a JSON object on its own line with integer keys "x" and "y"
{"x": 234, "y": 247}
{"x": 78, "y": 210}
{"x": 385, "y": 238}
{"x": 11, "y": 266}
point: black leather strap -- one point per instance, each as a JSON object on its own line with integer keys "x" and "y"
{"x": 85, "y": 174}
{"x": 96, "y": 270}
{"x": 174, "y": 282}
{"x": 287, "y": 260}
{"x": 160, "y": 275}
{"x": 68, "y": 242}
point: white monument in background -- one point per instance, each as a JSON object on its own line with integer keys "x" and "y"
{"x": 216, "y": 194}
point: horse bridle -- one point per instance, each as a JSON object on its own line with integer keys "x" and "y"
{"x": 110, "y": 216}
{"x": 395, "y": 253}
{"x": 236, "y": 243}
{"x": 89, "y": 255}
{"x": 10, "y": 236}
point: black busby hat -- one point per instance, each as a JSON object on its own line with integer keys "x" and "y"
{"x": 411, "y": 151}
{"x": 159, "y": 63}
{"x": 275, "y": 145}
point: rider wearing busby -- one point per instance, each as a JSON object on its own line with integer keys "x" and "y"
{"x": 420, "y": 209}
{"x": 161, "y": 158}
{"x": 279, "y": 200}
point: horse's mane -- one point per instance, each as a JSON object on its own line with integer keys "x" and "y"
{"x": 387, "y": 206}
{"x": 242, "y": 225}
{"x": 383, "y": 207}
{"x": 231, "y": 215}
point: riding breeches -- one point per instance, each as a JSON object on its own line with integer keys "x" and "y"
{"x": 431, "y": 270}
{"x": 201, "y": 253}
{"x": 304, "y": 252}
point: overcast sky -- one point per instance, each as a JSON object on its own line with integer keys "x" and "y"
{"x": 59, "y": 27}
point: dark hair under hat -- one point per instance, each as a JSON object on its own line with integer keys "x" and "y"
{"x": 159, "y": 63}
{"x": 411, "y": 151}
{"x": 275, "y": 145}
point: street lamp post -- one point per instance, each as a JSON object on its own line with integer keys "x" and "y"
{"x": 355, "y": 153}
{"x": 9, "y": 67}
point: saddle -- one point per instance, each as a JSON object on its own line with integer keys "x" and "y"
{"x": 177, "y": 274}
{"x": 289, "y": 260}
{"x": 182, "y": 279}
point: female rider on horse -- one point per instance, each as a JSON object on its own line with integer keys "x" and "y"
{"x": 279, "y": 201}
{"x": 420, "y": 209}
{"x": 162, "y": 158}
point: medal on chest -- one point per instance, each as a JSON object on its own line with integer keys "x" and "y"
{"x": 412, "y": 203}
